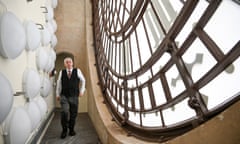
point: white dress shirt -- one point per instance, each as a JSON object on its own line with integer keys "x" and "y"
{"x": 79, "y": 75}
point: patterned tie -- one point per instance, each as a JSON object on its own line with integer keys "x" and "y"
{"x": 69, "y": 74}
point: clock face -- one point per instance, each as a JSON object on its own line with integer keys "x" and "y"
{"x": 158, "y": 59}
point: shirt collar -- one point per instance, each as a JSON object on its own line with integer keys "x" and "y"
{"x": 69, "y": 69}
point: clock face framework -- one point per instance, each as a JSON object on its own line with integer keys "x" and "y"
{"x": 163, "y": 66}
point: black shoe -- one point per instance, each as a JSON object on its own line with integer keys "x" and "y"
{"x": 64, "y": 134}
{"x": 72, "y": 133}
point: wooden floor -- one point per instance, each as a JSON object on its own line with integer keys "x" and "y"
{"x": 85, "y": 132}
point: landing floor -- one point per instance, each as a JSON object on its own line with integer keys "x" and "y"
{"x": 86, "y": 133}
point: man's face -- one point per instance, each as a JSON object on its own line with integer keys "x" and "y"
{"x": 68, "y": 64}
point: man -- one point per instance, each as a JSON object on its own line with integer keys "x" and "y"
{"x": 70, "y": 86}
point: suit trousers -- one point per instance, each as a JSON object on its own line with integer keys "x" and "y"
{"x": 69, "y": 106}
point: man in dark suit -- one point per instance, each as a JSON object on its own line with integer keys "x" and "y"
{"x": 70, "y": 86}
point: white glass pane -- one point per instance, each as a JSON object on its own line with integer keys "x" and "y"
{"x": 151, "y": 119}
{"x": 129, "y": 99}
{"x": 114, "y": 102}
{"x": 117, "y": 52}
{"x": 118, "y": 94}
{"x": 114, "y": 78}
{"x": 161, "y": 62}
{"x": 122, "y": 64}
{"x": 153, "y": 28}
{"x": 146, "y": 98}
{"x": 225, "y": 25}
{"x": 158, "y": 92}
{"x": 137, "y": 103}
{"x": 123, "y": 102}
{"x": 143, "y": 45}
{"x": 177, "y": 5}
{"x": 120, "y": 81}
{"x": 198, "y": 60}
{"x": 174, "y": 81}
{"x": 160, "y": 10}
{"x": 178, "y": 113}
{"x": 134, "y": 117}
{"x": 112, "y": 64}
{"x": 121, "y": 109}
{"x": 224, "y": 86}
{"x": 132, "y": 83}
{"x": 144, "y": 77}
{"x": 197, "y": 13}
{"x": 127, "y": 57}
{"x": 136, "y": 63}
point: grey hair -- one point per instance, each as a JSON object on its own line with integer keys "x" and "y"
{"x": 66, "y": 59}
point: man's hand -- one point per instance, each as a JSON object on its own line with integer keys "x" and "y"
{"x": 58, "y": 98}
{"x": 80, "y": 94}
